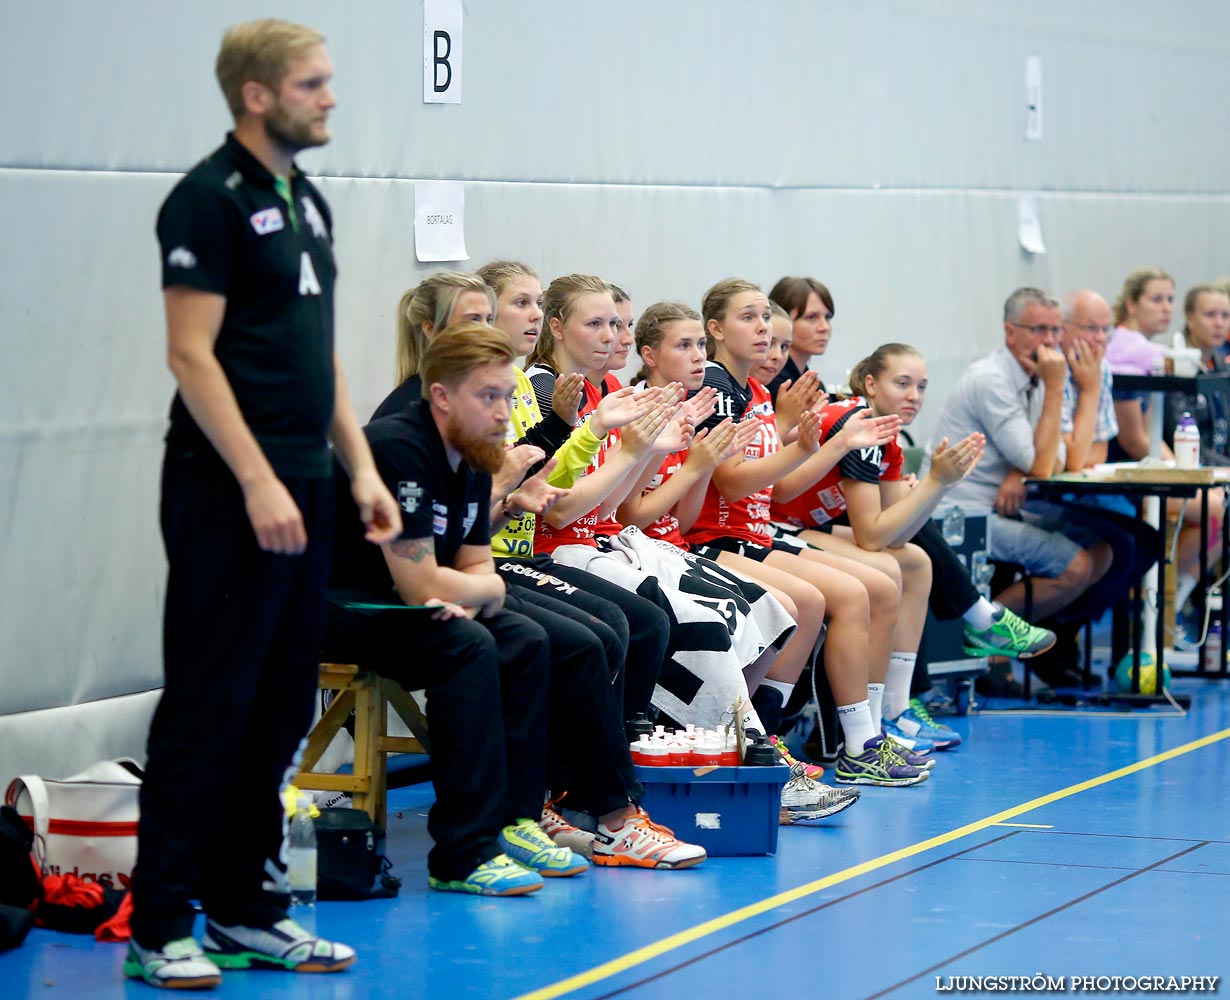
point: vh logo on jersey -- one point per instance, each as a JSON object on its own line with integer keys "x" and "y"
{"x": 873, "y": 455}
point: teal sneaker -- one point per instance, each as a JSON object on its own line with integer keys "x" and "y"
{"x": 1008, "y": 635}
{"x": 285, "y": 946}
{"x": 526, "y": 844}
{"x": 916, "y": 721}
{"x": 497, "y": 877}
{"x": 177, "y": 965}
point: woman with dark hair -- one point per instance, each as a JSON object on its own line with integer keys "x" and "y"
{"x": 809, "y": 304}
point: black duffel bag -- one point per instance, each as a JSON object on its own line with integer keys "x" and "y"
{"x": 350, "y": 859}
{"x": 20, "y": 883}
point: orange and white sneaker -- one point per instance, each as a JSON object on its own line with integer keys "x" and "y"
{"x": 641, "y": 843}
{"x": 564, "y": 833}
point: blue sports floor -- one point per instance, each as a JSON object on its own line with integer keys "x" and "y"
{"x": 1052, "y": 843}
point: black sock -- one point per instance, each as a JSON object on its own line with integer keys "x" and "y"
{"x": 768, "y": 704}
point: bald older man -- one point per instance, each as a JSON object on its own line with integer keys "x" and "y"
{"x": 1088, "y": 424}
{"x": 1087, "y": 417}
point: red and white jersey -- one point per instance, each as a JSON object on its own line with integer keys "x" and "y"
{"x": 746, "y": 519}
{"x": 666, "y": 527}
{"x": 824, "y": 500}
{"x": 608, "y": 526}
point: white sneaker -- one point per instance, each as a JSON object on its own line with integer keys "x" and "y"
{"x": 641, "y": 843}
{"x": 804, "y": 798}
{"x": 178, "y": 965}
{"x": 285, "y": 945}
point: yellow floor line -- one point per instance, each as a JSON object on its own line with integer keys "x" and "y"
{"x": 650, "y": 951}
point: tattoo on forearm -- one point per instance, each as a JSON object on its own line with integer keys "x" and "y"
{"x": 414, "y": 549}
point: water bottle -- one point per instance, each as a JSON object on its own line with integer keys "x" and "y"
{"x": 1187, "y": 443}
{"x": 638, "y": 725}
{"x": 301, "y": 855}
{"x": 953, "y": 527}
{"x": 760, "y": 753}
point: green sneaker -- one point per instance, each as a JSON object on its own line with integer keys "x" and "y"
{"x": 497, "y": 877}
{"x": 526, "y": 844}
{"x": 177, "y": 965}
{"x": 285, "y": 946}
{"x": 1008, "y": 635}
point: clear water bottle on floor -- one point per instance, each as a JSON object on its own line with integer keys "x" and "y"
{"x": 301, "y": 855}
{"x": 1187, "y": 443}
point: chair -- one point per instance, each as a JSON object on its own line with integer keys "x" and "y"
{"x": 912, "y": 460}
{"x": 1005, "y": 573}
{"x": 369, "y": 696}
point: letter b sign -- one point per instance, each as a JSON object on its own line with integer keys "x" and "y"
{"x": 443, "y": 48}
{"x": 442, "y": 51}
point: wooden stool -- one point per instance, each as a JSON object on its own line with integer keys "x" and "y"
{"x": 369, "y": 696}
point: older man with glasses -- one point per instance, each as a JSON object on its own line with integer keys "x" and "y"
{"x": 1014, "y": 396}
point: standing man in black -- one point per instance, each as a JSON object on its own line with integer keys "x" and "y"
{"x": 248, "y": 279}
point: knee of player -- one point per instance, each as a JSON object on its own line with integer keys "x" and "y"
{"x": 787, "y": 602}
{"x": 1079, "y": 570}
{"x": 613, "y": 643}
{"x": 849, "y": 601}
{"x": 473, "y": 642}
{"x": 591, "y": 656}
{"x": 810, "y": 604}
{"x": 884, "y": 593}
{"x": 893, "y": 569}
{"x": 617, "y": 625}
{"x": 915, "y": 564}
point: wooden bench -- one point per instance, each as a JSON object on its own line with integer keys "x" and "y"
{"x": 369, "y": 696}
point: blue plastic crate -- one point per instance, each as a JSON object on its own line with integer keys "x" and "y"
{"x": 728, "y": 811}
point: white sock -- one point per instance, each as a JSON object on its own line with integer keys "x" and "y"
{"x": 981, "y": 614}
{"x": 751, "y": 720}
{"x": 1183, "y": 587}
{"x": 856, "y": 725}
{"x": 875, "y": 699}
{"x": 786, "y": 689}
{"x": 897, "y": 683}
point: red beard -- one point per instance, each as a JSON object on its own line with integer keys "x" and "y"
{"x": 482, "y": 454}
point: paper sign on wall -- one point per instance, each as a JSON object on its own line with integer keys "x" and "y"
{"x": 1033, "y": 98}
{"x": 1029, "y": 223}
{"x": 441, "y": 51}
{"x": 439, "y": 220}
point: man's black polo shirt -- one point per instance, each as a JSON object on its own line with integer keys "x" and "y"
{"x": 451, "y": 507}
{"x": 225, "y": 229}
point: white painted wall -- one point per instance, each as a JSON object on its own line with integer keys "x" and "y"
{"x": 876, "y": 144}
